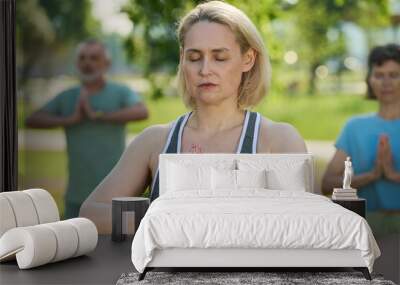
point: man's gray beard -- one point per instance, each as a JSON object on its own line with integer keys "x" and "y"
{"x": 87, "y": 78}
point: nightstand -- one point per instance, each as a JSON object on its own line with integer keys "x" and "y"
{"x": 358, "y": 206}
{"x": 127, "y": 212}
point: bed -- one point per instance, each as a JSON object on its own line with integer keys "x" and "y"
{"x": 245, "y": 211}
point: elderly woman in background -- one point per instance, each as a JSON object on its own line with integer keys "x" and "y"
{"x": 223, "y": 72}
{"x": 373, "y": 143}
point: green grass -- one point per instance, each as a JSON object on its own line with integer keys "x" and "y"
{"x": 316, "y": 117}
{"x": 161, "y": 111}
{"x": 36, "y": 163}
{"x": 44, "y": 169}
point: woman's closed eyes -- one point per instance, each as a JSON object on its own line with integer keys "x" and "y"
{"x": 217, "y": 56}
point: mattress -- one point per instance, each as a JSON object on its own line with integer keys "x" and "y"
{"x": 250, "y": 219}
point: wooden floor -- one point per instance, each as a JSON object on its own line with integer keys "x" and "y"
{"x": 389, "y": 262}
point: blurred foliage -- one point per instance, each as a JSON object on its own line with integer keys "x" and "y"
{"x": 313, "y": 28}
{"x": 46, "y": 27}
{"x": 319, "y": 27}
{"x": 72, "y": 20}
{"x": 154, "y": 45}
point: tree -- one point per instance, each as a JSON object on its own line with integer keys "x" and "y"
{"x": 314, "y": 19}
{"x": 154, "y": 44}
{"x": 49, "y": 27}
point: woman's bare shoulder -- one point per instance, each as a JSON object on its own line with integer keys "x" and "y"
{"x": 153, "y": 137}
{"x": 157, "y": 131}
{"x": 279, "y": 137}
{"x": 277, "y": 129}
{"x": 150, "y": 143}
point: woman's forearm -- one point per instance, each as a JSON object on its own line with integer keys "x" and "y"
{"x": 394, "y": 176}
{"x": 358, "y": 181}
{"x": 363, "y": 179}
{"x": 99, "y": 214}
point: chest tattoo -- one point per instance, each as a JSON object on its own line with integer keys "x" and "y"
{"x": 195, "y": 148}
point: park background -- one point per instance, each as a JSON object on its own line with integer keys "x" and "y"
{"x": 318, "y": 51}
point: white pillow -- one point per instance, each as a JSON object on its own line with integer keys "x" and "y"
{"x": 279, "y": 180}
{"x": 251, "y": 178}
{"x": 223, "y": 179}
{"x": 283, "y": 174}
{"x": 182, "y": 177}
{"x": 236, "y": 179}
{"x": 189, "y": 174}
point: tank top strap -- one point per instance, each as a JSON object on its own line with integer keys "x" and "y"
{"x": 172, "y": 145}
{"x": 249, "y": 143}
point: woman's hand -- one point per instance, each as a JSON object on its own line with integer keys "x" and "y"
{"x": 385, "y": 154}
{"x": 378, "y": 171}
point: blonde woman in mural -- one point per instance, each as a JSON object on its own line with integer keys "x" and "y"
{"x": 223, "y": 72}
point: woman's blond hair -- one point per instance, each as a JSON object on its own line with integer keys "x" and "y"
{"x": 255, "y": 82}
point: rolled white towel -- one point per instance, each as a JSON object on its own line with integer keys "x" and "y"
{"x": 26, "y": 208}
{"x": 87, "y": 234}
{"x": 66, "y": 238}
{"x": 40, "y": 244}
{"x": 7, "y": 218}
{"x": 46, "y": 207}
{"x": 33, "y": 246}
{"x": 23, "y": 208}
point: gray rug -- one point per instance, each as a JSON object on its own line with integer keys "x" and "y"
{"x": 270, "y": 278}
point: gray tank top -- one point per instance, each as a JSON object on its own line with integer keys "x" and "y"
{"x": 247, "y": 142}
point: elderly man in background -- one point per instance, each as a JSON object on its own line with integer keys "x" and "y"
{"x": 93, "y": 115}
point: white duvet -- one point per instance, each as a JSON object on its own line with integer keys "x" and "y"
{"x": 251, "y": 218}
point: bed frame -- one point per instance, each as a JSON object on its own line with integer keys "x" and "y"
{"x": 260, "y": 259}
{"x": 250, "y": 259}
